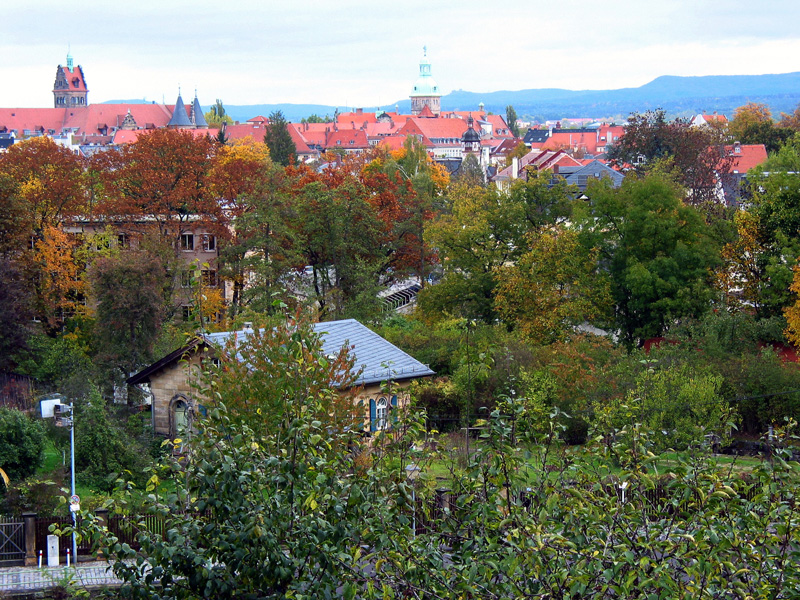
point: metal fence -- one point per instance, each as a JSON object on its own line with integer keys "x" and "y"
{"x": 12, "y": 540}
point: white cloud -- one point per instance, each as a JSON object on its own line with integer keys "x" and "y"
{"x": 366, "y": 53}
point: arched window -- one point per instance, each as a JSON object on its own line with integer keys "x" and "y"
{"x": 381, "y": 413}
{"x": 181, "y": 416}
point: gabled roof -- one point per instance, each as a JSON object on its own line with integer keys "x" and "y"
{"x": 347, "y": 138}
{"x": 594, "y": 170}
{"x": 251, "y": 129}
{"x": 74, "y": 77}
{"x": 376, "y": 359}
{"x": 745, "y": 156}
{"x": 300, "y": 145}
{"x": 435, "y": 129}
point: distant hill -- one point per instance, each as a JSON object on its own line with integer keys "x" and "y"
{"x": 677, "y": 95}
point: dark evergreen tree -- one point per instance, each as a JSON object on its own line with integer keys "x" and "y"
{"x": 277, "y": 138}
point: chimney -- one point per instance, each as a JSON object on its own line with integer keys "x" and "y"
{"x": 359, "y": 111}
{"x": 514, "y": 167}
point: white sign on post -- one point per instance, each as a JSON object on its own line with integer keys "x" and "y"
{"x": 52, "y": 550}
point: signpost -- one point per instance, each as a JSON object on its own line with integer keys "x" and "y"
{"x": 64, "y": 416}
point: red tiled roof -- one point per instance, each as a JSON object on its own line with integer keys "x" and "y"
{"x": 243, "y": 130}
{"x": 347, "y": 138}
{"x": 74, "y": 78}
{"x": 499, "y": 126}
{"x": 300, "y": 145}
{"x": 132, "y": 136}
{"x": 87, "y": 119}
{"x": 20, "y": 119}
{"x": 393, "y": 142}
{"x": 435, "y": 128}
{"x": 355, "y": 117}
{"x": 746, "y": 157}
{"x": 572, "y": 139}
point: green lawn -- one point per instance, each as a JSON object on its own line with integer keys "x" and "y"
{"x": 52, "y": 460}
{"x": 440, "y": 468}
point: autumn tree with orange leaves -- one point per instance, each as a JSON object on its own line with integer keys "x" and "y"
{"x": 42, "y": 186}
{"x": 160, "y": 183}
{"x": 48, "y": 182}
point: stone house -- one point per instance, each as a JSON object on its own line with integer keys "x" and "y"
{"x": 174, "y": 401}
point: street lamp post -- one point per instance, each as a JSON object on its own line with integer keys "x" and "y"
{"x": 412, "y": 472}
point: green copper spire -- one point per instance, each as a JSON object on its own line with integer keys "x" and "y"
{"x": 425, "y": 85}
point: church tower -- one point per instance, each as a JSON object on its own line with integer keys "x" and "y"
{"x": 426, "y": 92}
{"x": 70, "y": 89}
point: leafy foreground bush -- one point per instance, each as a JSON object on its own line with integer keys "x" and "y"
{"x": 308, "y": 511}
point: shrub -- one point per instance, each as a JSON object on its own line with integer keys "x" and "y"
{"x": 22, "y": 443}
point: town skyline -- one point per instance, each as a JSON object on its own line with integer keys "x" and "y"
{"x": 358, "y": 54}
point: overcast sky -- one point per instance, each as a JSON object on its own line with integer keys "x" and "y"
{"x": 351, "y": 53}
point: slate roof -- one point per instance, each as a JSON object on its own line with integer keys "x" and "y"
{"x": 180, "y": 118}
{"x": 197, "y": 114}
{"x": 536, "y": 136}
{"x": 378, "y": 359}
{"x": 594, "y": 170}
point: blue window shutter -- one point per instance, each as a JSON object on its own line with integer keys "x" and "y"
{"x": 394, "y": 409}
{"x": 373, "y": 426}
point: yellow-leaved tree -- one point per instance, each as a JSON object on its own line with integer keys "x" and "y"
{"x": 792, "y": 313}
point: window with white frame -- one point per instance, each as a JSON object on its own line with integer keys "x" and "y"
{"x": 187, "y": 241}
{"x": 209, "y": 242}
{"x": 381, "y": 413}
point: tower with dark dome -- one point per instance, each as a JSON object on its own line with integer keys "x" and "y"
{"x": 426, "y": 92}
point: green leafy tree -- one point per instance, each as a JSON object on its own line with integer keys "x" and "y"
{"x": 315, "y": 118}
{"x": 694, "y": 154}
{"x": 677, "y": 404}
{"x": 511, "y": 120}
{"x": 482, "y": 229}
{"x": 280, "y": 508}
{"x": 752, "y": 123}
{"x": 15, "y": 312}
{"x": 103, "y": 450}
{"x": 216, "y": 115}
{"x": 774, "y": 220}
{"x": 22, "y": 443}
{"x": 129, "y": 293}
{"x": 470, "y": 171}
{"x": 552, "y": 288}
{"x": 279, "y": 141}
{"x": 475, "y": 235}
{"x": 658, "y": 252}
